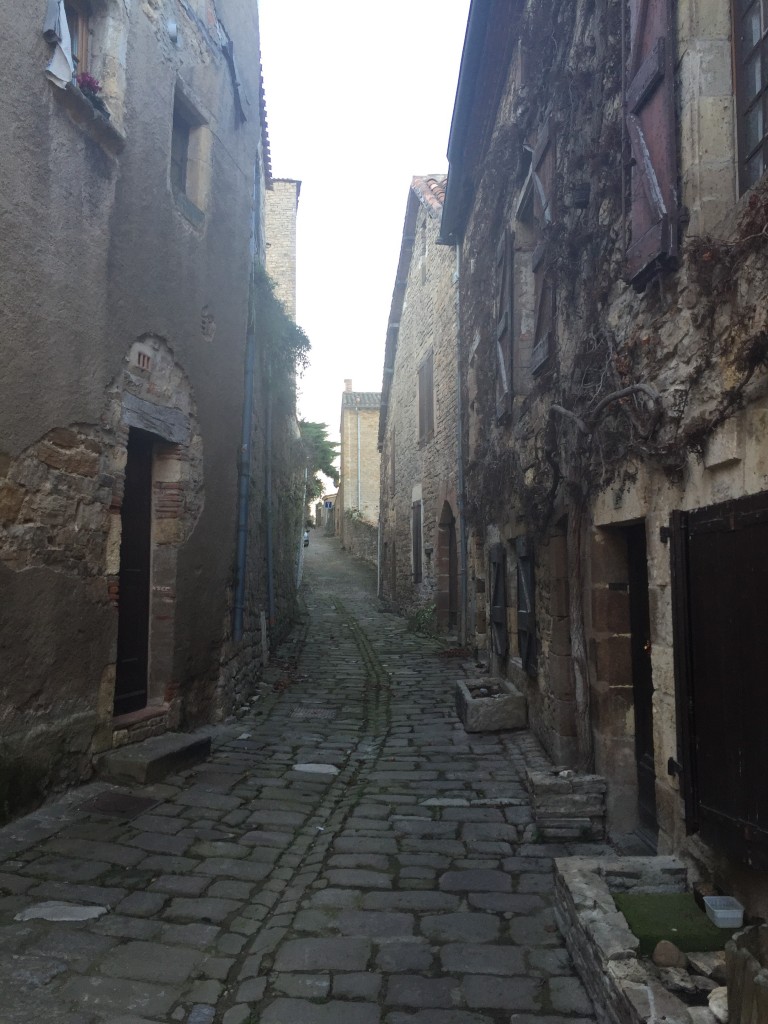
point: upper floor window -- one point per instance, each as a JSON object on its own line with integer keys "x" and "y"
{"x": 79, "y": 34}
{"x": 190, "y": 164}
{"x": 751, "y": 49}
{"x": 426, "y": 400}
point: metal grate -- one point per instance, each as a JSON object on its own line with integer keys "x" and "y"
{"x": 306, "y": 712}
{"x": 119, "y": 805}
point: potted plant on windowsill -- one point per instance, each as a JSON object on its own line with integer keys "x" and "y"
{"x": 90, "y": 87}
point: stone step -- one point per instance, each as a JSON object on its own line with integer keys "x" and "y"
{"x": 153, "y": 758}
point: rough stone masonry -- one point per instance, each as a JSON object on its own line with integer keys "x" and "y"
{"x": 348, "y": 855}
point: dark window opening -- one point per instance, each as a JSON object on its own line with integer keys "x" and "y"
{"x": 182, "y": 128}
{"x": 416, "y": 541}
{"x": 751, "y": 54}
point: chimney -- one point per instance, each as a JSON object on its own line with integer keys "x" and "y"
{"x": 347, "y": 384}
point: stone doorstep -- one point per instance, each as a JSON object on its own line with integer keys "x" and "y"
{"x": 490, "y": 714}
{"x": 154, "y": 758}
{"x": 601, "y": 945}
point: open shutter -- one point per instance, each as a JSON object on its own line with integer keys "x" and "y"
{"x": 498, "y": 600}
{"x": 504, "y": 333}
{"x": 526, "y": 615}
{"x": 650, "y": 114}
{"x": 543, "y": 177}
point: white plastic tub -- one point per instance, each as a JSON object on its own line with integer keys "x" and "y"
{"x": 724, "y": 911}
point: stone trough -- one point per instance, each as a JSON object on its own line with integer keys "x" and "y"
{"x": 622, "y": 986}
{"x": 490, "y": 705}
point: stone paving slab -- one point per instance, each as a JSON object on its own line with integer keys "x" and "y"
{"x": 394, "y": 890}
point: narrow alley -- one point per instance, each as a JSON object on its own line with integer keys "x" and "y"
{"x": 347, "y": 855}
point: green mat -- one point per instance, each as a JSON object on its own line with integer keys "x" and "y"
{"x": 674, "y": 916}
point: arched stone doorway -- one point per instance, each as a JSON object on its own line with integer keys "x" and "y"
{"x": 447, "y": 570}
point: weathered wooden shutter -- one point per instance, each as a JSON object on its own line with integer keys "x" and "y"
{"x": 416, "y": 540}
{"x": 543, "y": 176}
{"x": 650, "y": 114}
{"x": 526, "y": 613}
{"x": 498, "y": 600}
{"x": 504, "y": 332}
{"x": 426, "y": 400}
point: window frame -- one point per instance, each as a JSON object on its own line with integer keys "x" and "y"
{"x": 740, "y": 11}
{"x": 78, "y": 21}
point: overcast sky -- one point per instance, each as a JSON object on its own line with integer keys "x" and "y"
{"x": 359, "y": 100}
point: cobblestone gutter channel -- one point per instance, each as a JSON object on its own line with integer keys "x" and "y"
{"x": 388, "y": 880}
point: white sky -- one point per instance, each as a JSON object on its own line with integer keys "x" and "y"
{"x": 359, "y": 100}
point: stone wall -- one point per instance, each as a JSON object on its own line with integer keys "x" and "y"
{"x": 358, "y": 460}
{"x": 129, "y": 310}
{"x": 281, "y": 203}
{"x": 652, "y": 399}
{"x": 414, "y": 470}
{"x": 361, "y": 539}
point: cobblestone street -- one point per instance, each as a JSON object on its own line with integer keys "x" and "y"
{"x": 384, "y": 880}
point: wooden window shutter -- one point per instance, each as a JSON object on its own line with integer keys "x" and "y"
{"x": 543, "y": 177}
{"x": 504, "y": 330}
{"x": 498, "y": 600}
{"x": 416, "y": 540}
{"x": 426, "y": 400}
{"x": 650, "y": 114}
{"x": 526, "y": 612}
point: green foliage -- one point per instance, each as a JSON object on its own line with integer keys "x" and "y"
{"x": 284, "y": 345}
{"x": 422, "y": 619}
{"x": 320, "y": 454}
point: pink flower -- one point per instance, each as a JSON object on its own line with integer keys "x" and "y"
{"x": 88, "y": 83}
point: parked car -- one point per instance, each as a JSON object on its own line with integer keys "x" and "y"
{"x": 306, "y": 538}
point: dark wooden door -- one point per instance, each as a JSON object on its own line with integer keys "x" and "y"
{"x": 723, "y": 688}
{"x": 135, "y": 552}
{"x": 642, "y": 678}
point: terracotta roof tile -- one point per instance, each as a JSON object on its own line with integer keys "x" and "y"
{"x": 431, "y": 190}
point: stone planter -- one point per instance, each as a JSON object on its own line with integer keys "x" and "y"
{"x": 490, "y": 706}
{"x": 746, "y": 957}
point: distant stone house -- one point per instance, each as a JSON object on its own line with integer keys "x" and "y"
{"x": 420, "y": 529}
{"x": 356, "y": 510}
{"x": 138, "y": 336}
{"x": 608, "y": 197}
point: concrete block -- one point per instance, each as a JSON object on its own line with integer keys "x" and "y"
{"x": 153, "y": 759}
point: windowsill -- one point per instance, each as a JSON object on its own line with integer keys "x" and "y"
{"x": 184, "y": 205}
{"x": 142, "y": 715}
{"x": 90, "y": 120}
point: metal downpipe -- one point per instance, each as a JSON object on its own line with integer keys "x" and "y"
{"x": 243, "y": 491}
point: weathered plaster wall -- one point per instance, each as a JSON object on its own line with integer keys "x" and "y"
{"x": 98, "y": 253}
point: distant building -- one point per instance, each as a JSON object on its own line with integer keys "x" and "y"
{"x": 417, "y": 427}
{"x": 358, "y": 496}
{"x": 280, "y": 210}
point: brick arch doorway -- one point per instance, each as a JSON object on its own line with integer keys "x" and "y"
{"x": 447, "y": 570}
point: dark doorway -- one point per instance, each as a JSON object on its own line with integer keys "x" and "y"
{"x": 447, "y": 570}
{"x": 134, "y": 587}
{"x": 720, "y": 581}
{"x": 642, "y": 681}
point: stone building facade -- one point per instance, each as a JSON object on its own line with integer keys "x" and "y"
{"x": 282, "y": 203}
{"x": 357, "y": 500}
{"x": 131, "y": 466}
{"x": 421, "y": 551}
{"x": 606, "y": 192}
